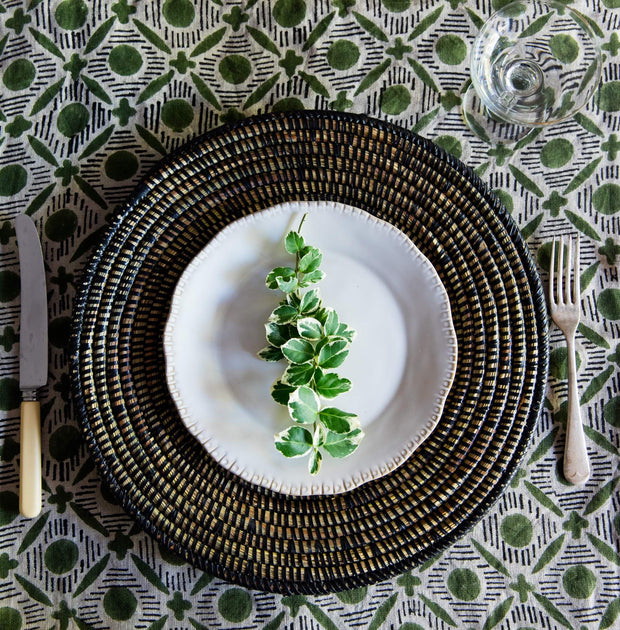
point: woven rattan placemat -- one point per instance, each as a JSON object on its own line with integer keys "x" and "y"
{"x": 163, "y": 476}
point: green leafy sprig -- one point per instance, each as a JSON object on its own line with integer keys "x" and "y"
{"x": 313, "y": 341}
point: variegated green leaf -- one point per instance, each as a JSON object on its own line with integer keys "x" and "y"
{"x": 542, "y": 498}
{"x": 497, "y": 614}
{"x": 423, "y": 73}
{"x": 490, "y": 558}
{"x": 593, "y": 336}
{"x": 373, "y": 76}
{"x": 547, "y": 604}
{"x": 263, "y": 40}
{"x": 601, "y": 497}
{"x": 213, "y": 39}
{"x": 438, "y": 610}
{"x": 582, "y": 176}
{"x": 34, "y": 592}
{"x": 525, "y": 181}
{"x": 318, "y": 31}
{"x": 155, "y": 86}
{"x": 600, "y": 440}
{"x": 91, "y": 576}
{"x": 32, "y": 534}
{"x": 610, "y": 615}
{"x": 582, "y": 225}
{"x": 151, "y": 140}
{"x": 382, "y": 612}
{"x": 42, "y": 151}
{"x": 149, "y": 573}
{"x": 370, "y": 27}
{"x": 96, "y": 39}
{"x": 595, "y": 385}
{"x": 97, "y": 142}
{"x": 46, "y": 98}
{"x": 425, "y": 23}
{"x": 88, "y": 518}
{"x": 550, "y": 552}
{"x": 152, "y": 36}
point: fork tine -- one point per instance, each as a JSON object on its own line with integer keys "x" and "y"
{"x": 560, "y": 289}
{"x": 552, "y": 273}
{"x": 568, "y": 298}
{"x": 577, "y": 281}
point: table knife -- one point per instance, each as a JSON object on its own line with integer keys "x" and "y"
{"x": 33, "y": 357}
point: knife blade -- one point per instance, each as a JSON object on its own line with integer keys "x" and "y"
{"x": 33, "y": 361}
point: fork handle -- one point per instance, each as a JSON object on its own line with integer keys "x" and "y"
{"x": 576, "y": 464}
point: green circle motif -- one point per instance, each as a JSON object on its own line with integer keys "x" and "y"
{"x": 395, "y": 100}
{"x": 564, "y": 47}
{"x": 60, "y": 332}
{"x": 409, "y": 625}
{"x": 177, "y": 114}
{"x": 71, "y": 14}
{"x": 72, "y": 119}
{"x": 354, "y": 596}
{"x": 397, "y": 6}
{"x": 9, "y": 507}
{"x": 556, "y": 153}
{"x": 343, "y": 54}
{"x": 289, "y": 13}
{"x": 291, "y": 104}
{"x": 125, "y": 60}
{"x": 119, "y": 603}
{"x": 544, "y": 256}
{"x": 610, "y": 96}
{"x": 608, "y": 303}
{"x": 178, "y": 12}
{"x": 235, "y": 69}
{"x": 10, "y": 618}
{"x": 505, "y": 198}
{"x": 611, "y": 411}
{"x": 61, "y": 556}
{"x": 61, "y": 225}
{"x": 10, "y": 394}
{"x": 235, "y": 605}
{"x": 579, "y": 582}
{"x": 451, "y": 49}
{"x": 516, "y": 530}
{"x": 65, "y": 442}
{"x": 170, "y": 557}
{"x": 611, "y": 4}
{"x": 464, "y": 584}
{"x": 606, "y": 198}
{"x": 123, "y": 165}
{"x": 9, "y": 285}
{"x": 514, "y": 11}
{"x": 19, "y": 75}
{"x": 558, "y": 363}
{"x": 450, "y": 144}
{"x": 13, "y": 179}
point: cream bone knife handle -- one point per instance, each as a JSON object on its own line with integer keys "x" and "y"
{"x": 30, "y": 459}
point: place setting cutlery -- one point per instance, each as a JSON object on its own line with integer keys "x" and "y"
{"x": 565, "y": 305}
{"x": 33, "y": 362}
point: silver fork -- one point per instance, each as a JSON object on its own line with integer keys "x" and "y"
{"x": 564, "y": 300}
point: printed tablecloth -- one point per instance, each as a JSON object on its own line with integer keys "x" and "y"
{"x": 93, "y": 94}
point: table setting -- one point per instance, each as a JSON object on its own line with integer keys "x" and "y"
{"x": 195, "y": 198}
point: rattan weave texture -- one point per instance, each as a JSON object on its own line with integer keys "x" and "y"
{"x": 163, "y": 476}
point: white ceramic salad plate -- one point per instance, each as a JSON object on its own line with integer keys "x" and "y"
{"x": 401, "y": 363}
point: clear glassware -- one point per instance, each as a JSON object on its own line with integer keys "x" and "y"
{"x": 533, "y": 63}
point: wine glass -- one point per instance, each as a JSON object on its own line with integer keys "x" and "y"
{"x": 533, "y": 63}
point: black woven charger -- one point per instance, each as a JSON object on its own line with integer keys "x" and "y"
{"x": 244, "y": 533}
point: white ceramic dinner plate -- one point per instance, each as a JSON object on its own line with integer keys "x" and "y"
{"x": 402, "y": 361}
